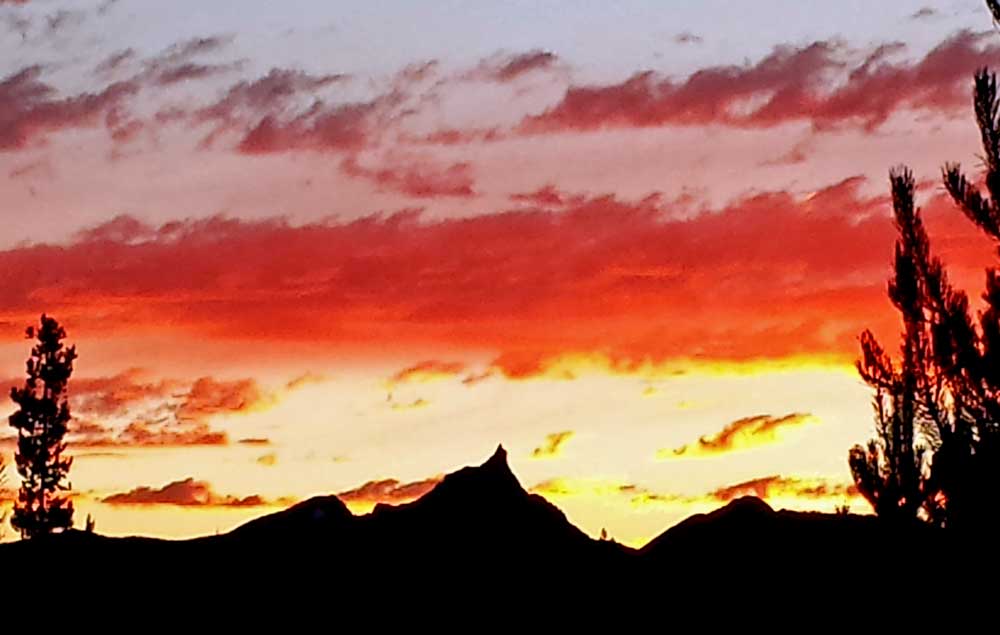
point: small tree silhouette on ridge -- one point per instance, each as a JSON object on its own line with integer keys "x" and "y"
{"x": 41, "y": 422}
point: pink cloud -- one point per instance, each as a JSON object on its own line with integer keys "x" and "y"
{"x": 416, "y": 177}
{"x": 788, "y": 85}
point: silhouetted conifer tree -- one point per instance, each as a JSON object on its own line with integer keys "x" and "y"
{"x": 968, "y": 469}
{"x": 889, "y": 472}
{"x": 41, "y": 422}
{"x": 937, "y": 447}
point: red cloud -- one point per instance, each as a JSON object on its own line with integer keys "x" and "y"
{"x": 768, "y": 275}
{"x": 787, "y": 85}
{"x": 452, "y": 136}
{"x": 271, "y": 92}
{"x": 30, "y": 109}
{"x": 185, "y": 493}
{"x": 417, "y": 177}
{"x": 547, "y": 196}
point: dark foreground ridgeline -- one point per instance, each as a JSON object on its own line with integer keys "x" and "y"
{"x": 480, "y": 528}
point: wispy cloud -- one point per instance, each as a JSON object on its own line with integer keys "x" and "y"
{"x": 793, "y": 83}
{"x": 742, "y": 434}
{"x": 427, "y": 371}
{"x": 133, "y": 409}
{"x": 553, "y": 445}
{"x": 788, "y": 489}
{"x": 686, "y": 37}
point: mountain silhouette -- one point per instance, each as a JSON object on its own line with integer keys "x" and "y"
{"x": 479, "y": 526}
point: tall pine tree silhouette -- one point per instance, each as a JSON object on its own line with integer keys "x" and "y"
{"x": 968, "y": 470}
{"x": 41, "y": 422}
{"x": 937, "y": 448}
{"x": 889, "y": 471}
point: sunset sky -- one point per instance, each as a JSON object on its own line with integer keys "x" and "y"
{"x": 313, "y": 247}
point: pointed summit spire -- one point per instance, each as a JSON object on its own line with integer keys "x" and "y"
{"x": 498, "y": 468}
{"x": 499, "y": 457}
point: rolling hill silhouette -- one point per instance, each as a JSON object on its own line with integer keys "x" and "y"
{"x": 479, "y": 526}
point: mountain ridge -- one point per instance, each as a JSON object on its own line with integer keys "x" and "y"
{"x": 479, "y": 525}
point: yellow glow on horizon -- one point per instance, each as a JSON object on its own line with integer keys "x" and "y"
{"x": 574, "y": 365}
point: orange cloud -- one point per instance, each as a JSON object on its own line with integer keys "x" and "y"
{"x": 185, "y": 493}
{"x": 779, "y": 487}
{"x": 128, "y": 409}
{"x": 553, "y": 445}
{"x": 426, "y": 371}
{"x": 388, "y": 491}
{"x": 102, "y": 396}
{"x": 741, "y": 434}
{"x": 306, "y": 379}
{"x": 161, "y": 433}
{"x": 477, "y": 377}
{"x": 208, "y": 396}
{"x": 268, "y": 460}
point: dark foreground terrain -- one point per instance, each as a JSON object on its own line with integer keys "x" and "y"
{"x": 480, "y": 530}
